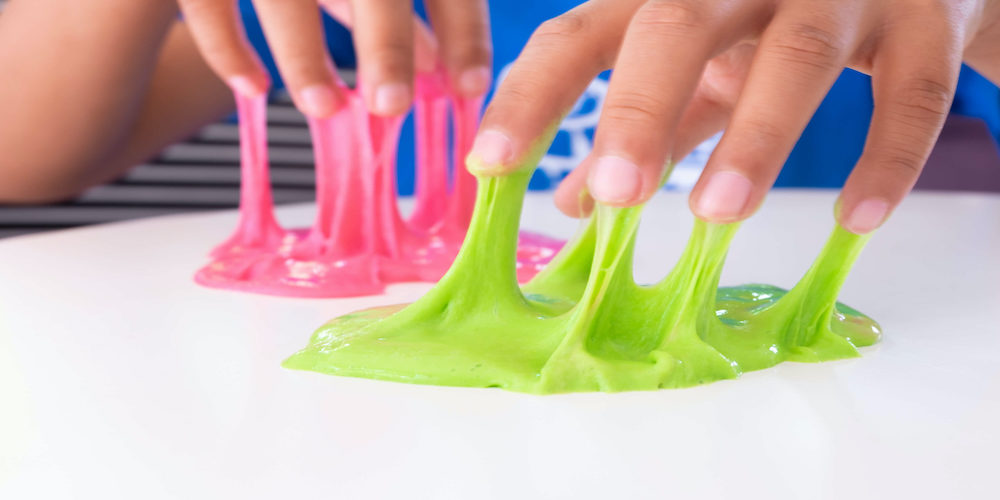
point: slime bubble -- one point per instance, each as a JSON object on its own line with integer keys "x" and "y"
{"x": 359, "y": 241}
{"x": 583, "y": 324}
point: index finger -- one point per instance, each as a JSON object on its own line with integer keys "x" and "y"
{"x": 559, "y": 61}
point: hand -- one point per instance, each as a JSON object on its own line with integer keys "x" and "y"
{"x": 391, "y": 43}
{"x": 685, "y": 69}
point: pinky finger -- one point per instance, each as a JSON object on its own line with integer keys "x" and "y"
{"x": 913, "y": 88}
{"x": 218, "y": 32}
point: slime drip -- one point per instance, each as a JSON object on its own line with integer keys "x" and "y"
{"x": 583, "y": 324}
{"x": 359, "y": 241}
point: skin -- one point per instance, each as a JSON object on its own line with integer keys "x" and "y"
{"x": 392, "y": 44}
{"x": 109, "y": 102}
{"x": 115, "y": 81}
{"x": 686, "y": 69}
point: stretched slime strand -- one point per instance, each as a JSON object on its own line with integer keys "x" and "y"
{"x": 583, "y": 324}
{"x": 359, "y": 241}
{"x": 257, "y": 227}
{"x": 431, "y": 126}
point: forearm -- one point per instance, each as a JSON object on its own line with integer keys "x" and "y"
{"x": 75, "y": 77}
{"x": 182, "y": 95}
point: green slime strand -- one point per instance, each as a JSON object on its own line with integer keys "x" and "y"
{"x": 583, "y": 324}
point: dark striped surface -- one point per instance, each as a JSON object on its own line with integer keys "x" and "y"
{"x": 199, "y": 174}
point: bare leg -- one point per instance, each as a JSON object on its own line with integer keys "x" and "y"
{"x": 92, "y": 87}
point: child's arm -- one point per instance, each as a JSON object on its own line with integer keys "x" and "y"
{"x": 92, "y": 87}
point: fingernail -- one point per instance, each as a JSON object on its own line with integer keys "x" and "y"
{"x": 318, "y": 100}
{"x": 244, "y": 86}
{"x": 725, "y": 197}
{"x": 391, "y": 98}
{"x": 474, "y": 81}
{"x": 491, "y": 149}
{"x": 615, "y": 180}
{"x": 867, "y": 216}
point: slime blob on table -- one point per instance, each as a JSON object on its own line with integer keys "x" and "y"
{"x": 583, "y": 324}
{"x": 359, "y": 241}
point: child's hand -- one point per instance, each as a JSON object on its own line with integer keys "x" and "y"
{"x": 684, "y": 69}
{"x": 391, "y": 44}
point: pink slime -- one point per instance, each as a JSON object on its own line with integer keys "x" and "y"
{"x": 359, "y": 241}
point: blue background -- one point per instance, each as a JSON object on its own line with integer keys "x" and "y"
{"x": 823, "y": 156}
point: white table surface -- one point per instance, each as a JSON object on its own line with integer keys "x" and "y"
{"x": 121, "y": 378}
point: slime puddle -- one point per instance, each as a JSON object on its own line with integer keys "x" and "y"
{"x": 359, "y": 241}
{"x": 583, "y": 324}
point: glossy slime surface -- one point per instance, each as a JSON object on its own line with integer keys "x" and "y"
{"x": 583, "y": 324}
{"x": 359, "y": 241}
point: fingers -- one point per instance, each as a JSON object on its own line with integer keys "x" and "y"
{"x": 797, "y": 61}
{"x": 705, "y": 116}
{"x": 561, "y": 58}
{"x": 914, "y": 80}
{"x": 426, "y": 46}
{"x": 713, "y": 102}
{"x": 383, "y": 37}
{"x": 295, "y": 34}
{"x": 463, "y": 29}
{"x": 218, "y": 32}
{"x": 648, "y": 95}
{"x": 425, "y": 58}
{"x": 571, "y": 197}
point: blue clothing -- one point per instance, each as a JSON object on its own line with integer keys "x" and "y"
{"x": 823, "y": 156}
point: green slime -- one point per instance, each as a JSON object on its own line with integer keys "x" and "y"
{"x": 583, "y": 324}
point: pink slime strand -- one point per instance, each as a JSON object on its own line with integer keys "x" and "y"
{"x": 338, "y": 228}
{"x": 390, "y": 232}
{"x": 431, "y": 126}
{"x": 465, "y": 116}
{"x": 257, "y": 226}
{"x": 359, "y": 242}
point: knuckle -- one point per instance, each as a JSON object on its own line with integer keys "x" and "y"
{"x": 682, "y": 13}
{"x": 761, "y": 133}
{"x": 301, "y": 72}
{"x": 226, "y": 58}
{"x": 470, "y": 54}
{"x": 299, "y": 76}
{"x": 900, "y": 160}
{"x": 809, "y": 44}
{"x": 218, "y": 53}
{"x": 564, "y": 35}
{"x": 393, "y": 58}
{"x": 516, "y": 92}
{"x": 922, "y": 99}
{"x": 562, "y": 29}
{"x": 634, "y": 107}
{"x": 677, "y": 17}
